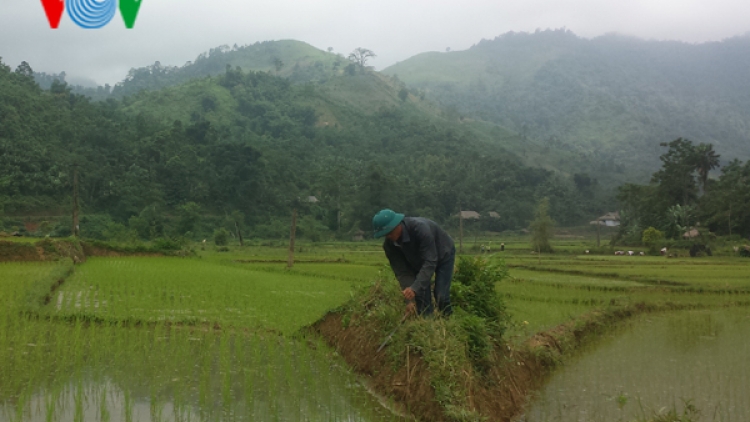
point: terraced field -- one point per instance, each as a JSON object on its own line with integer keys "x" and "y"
{"x": 220, "y": 336}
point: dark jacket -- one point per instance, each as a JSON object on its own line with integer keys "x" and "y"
{"x": 422, "y": 245}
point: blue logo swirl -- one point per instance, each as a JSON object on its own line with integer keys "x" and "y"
{"x": 91, "y": 14}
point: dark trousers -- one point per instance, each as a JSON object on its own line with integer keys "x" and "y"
{"x": 442, "y": 291}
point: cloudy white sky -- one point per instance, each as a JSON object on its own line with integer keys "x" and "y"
{"x": 175, "y": 31}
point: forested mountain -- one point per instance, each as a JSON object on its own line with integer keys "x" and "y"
{"x": 301, "y": 63}
{"x": 293, "y": 60}
{"x": 611, "y": 99}
{"x": 255, "y": 145}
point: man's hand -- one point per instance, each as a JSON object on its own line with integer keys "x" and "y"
{"x": 408, "y": 293}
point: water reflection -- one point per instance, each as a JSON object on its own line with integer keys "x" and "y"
{"x": 110, "y": 374}
{"x": 658, "y": 363}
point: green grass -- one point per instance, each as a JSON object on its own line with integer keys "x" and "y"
{"x": 551, "y": 289}
{"x": 543, "y": 290}
{"x": 21, "y": 239}
{"x": 189, "y": 290}
{"x": 707, "y": 272}
{"x": 65, "y": 368}
{"x": 250, "y": 290}
{"x": 18, "y": 279}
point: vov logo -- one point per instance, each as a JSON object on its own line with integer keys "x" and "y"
{"x": 91, "y": 14}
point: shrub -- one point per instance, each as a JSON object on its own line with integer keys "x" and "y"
{"x": 542, "y": 228}
{"x": 452, "y": 348}
{"x": 473, "y": 290}
{"x": 162, "y": 244}
{"x": 478, "y": 340}
{"x": 221, "y": 237}
{"x": 652, "y": 238}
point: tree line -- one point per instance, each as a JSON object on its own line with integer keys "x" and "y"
{"x": 249, "y": 151}
{"x": 683, "y": 201}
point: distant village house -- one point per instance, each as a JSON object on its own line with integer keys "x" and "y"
{"x": 470, "y": 215}
{"x": 610, "y": 219}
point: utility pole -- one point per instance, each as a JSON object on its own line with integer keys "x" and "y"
{"x": 290, "y": 262}
{"x": 239, "y": 232}
{"x": 460, "y": 230}
{"x": 729, "y": 219}
{"x": 76, "y": 227}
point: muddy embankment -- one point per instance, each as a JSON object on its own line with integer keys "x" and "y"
{"x": 499, "y": 394}
{"x": 53, "y": 250}
{"x": 43, "y": 250}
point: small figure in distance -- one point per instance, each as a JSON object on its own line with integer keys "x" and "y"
{"x": 417, "y": 249}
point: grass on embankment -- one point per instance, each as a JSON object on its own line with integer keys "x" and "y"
{"x": 438, "y": 369}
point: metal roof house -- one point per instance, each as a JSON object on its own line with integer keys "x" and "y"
{"x": 610, "y": 219}
{"x": 470, "y": 215}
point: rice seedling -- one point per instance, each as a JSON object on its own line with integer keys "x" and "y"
{"x": 199, "y": 338}
{"x": 190, "y": 291}
{"x": 685, "y": 365}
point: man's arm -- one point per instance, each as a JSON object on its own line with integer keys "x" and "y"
{"x": 429, "y": 255}
{"x": 399, "y": 266}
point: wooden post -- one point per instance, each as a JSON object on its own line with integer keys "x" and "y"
{"x": 338, "y": 215}
{"x": 239, "y": 233}
{"x": 729, "y": 218}
{"x": 290, "y": 262}
{"x": 597, "y": 233}
{"x": 76, "y": 225}
{"x": 460, "y": 231}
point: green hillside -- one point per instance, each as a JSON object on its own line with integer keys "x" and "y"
{"x": 611, "y": 100}
{"x": 295, "y": 60}
{"x": 330, "y": 94}
{"x": 300, "y": 63}
{"x": 160, "y": 162}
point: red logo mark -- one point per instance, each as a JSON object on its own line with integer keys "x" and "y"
{"x": 54, "y": 10}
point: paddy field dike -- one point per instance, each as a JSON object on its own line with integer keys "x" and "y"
{"x": 131, "y": 334}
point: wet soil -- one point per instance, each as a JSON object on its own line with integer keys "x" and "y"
{"x": 499, "y": 395}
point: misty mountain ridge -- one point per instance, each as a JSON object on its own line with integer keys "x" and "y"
{"x": 253, "y": 142}
{"x": 301, "y": 63}
{"x": 612, "y": 99}
{"x": 295, "y": 60}
{"x": 554, "y": 99}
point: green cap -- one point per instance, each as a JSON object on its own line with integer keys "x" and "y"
{"x": 385, "y": 221}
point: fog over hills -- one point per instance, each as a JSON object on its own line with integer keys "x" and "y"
{"x": 612, "y": 99}
{"x": 600, "y": 106}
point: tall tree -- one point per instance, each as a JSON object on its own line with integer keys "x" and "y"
{"x": 726, "y": 206}
{"x": 676, "y": 178}
{"x": 360, "y": 56}
{"x": 706, "y": 159}
{"x": 542, "y": 227}
{"x": 278, "y": 64}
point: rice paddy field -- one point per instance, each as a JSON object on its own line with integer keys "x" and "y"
{"x": 221, "y": 336}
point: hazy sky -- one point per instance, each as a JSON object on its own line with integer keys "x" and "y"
{"x": 175, "y": 31}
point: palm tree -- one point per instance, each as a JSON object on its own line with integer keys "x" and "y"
{"x": 706, "y": 159}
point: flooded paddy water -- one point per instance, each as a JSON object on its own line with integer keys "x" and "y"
{"x": 655, "y": 364}
{"x": 164, "y": 341}
{"x": 78, "y": 373}
{"x": 103, "y": 349}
